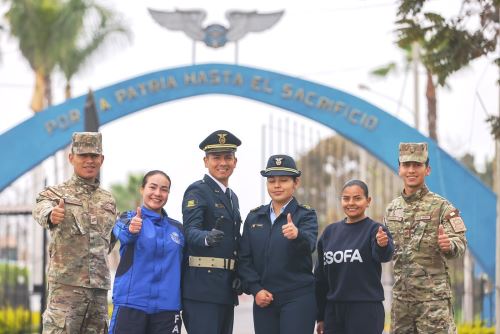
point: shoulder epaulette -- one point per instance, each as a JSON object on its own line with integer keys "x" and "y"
{"x": 305, "y": 206}
{"x": 257, "y": 208}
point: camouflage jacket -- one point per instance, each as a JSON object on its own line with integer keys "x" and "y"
{"x": 420, "y": 268}
{"x": 79, "y": 244}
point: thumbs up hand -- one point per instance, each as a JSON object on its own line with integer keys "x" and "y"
{"x": 57, "y": 213}
{"x": 443, "y": 240}
{"x": 290, "y": 231}
{"x": 136, "y": 222}
{"x": 382, "y": 238}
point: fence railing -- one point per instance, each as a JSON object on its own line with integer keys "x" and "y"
{"x": 22, "y": 286}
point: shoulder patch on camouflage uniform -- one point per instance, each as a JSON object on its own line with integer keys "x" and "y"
{"x": 109, "y": 207}
{"x": 257, "y": 208}
{"x": 191, "y": 203}
{"x": 51, "y": 194}
{"x": 456, "y": 221}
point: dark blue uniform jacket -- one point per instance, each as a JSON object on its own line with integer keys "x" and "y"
{"x": 270, "y": 261}
{"x": 204, "y": 203}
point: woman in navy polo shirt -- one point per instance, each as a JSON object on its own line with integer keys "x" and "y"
{"x": 275, "y": 262}
{"x": 350, "y": 252}
{"x": 147, "y": 286}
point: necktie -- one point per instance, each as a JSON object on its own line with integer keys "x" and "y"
{"x": 228, "y": 195}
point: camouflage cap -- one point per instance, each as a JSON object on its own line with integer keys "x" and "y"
{"x": 86, "y": 142}
{"x": 413, "y": 152}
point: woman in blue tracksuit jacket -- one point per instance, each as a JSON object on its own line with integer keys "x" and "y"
{"x": 275, "y": 262}
{"x": 147, "y": 286}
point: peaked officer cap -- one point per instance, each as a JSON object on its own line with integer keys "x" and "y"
{"x": 280, "y": 165}
{"x": 86, "y": 142}
{"x": 413, "y": 152}
{"x": 220, "y": 141}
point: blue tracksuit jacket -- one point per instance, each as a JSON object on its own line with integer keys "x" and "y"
{"x": 148, "y": 277}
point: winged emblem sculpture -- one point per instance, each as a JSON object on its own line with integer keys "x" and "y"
{"x": 216, "y": 35}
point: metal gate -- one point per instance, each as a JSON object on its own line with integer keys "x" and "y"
{"x": 22, "y": 278}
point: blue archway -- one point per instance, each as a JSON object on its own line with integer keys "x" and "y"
{"x": 370, "y": 127}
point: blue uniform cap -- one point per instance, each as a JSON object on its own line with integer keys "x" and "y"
{"x": 220, "y": 141}
{"x": 280, "y": 165}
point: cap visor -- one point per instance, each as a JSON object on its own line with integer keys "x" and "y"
{"x": 278, "y": 173}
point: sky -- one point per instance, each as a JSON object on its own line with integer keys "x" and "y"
{"x": 332, "y": 42}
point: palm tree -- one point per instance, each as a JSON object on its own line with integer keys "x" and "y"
{"x": 447, "y": 45}
{"x": 41, "y": 30}
{"x": 127, "y": 195}
{"x": 50, "y": 32}
{"x": 104, "y": 26}
{"x": 444, "y": 46}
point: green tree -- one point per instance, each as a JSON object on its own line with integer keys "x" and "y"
{"x": 447, "y": 45}
{"x": 41, "y": 30}
{"x": 127, "y": 195}
{"x": 104, "y": 27}
{"x": 57, "y": 32}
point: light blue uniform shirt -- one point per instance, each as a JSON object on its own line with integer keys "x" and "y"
{"x": 273, "y": 215}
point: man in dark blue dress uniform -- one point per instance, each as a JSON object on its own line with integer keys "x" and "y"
{"x": 212, "y": 222}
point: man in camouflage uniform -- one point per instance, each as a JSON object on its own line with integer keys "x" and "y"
{"x": 80, "y": 217}
{"x": 427, "y": 231}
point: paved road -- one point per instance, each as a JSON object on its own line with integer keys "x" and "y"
{"x": 243, "y": 322}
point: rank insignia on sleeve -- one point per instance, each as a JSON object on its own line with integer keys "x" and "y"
{"x": 191, "y": 203}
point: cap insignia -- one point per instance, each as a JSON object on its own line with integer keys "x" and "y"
{"x": 222, "y": 138}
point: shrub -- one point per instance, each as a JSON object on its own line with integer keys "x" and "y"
{"x": 18, "y": 321}
{"x": 475, "y": 328}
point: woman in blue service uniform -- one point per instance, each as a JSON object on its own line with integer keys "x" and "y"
{"x": 147, "y": 286}
{"x": 348, "y": 288}
{"x": 275, "y": 255}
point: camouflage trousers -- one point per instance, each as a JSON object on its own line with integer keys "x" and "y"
{"x": 75, "y": 310}
{"x": 430, "y": 317}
